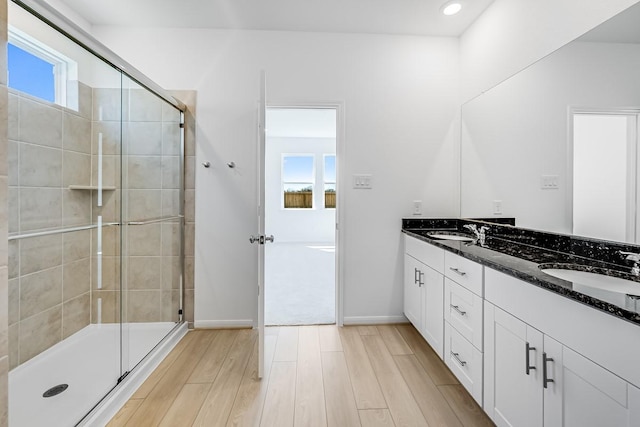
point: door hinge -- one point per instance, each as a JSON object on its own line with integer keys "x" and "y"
{"x": 180, "y": 311}
{"x": 181, "y": 125}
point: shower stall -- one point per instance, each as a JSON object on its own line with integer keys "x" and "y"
{"x": 96, "y": 222}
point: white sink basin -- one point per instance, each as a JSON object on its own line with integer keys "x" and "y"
{"x": 595, "y": 280}
{"x": 450, "y": 236}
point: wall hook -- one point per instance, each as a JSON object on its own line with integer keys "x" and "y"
{"x": 206, "y": 164}
{"x": 231, "y": 165}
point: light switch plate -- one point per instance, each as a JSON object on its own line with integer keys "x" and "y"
{"x": 362, "y": 182}
{"x": 549, "y": 182}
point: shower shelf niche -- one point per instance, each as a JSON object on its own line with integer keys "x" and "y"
{"x": 91, "y": 187}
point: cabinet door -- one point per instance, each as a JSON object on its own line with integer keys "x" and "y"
{"x": 584, "y": 394}
{"x": 512, "y": 393}
{"x": 413, "y": 291}
{"x": 433, "y": 314}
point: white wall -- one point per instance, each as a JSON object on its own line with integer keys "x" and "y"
{"x": 297, "y": 225}
{"x": 400, "y": 98}
{"x": 512, "y": 34}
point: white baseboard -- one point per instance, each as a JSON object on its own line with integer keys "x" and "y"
{"x": 374, "y": 320}
{"x": 223, "y": 324}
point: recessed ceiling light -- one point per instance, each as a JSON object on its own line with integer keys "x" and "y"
{"x": 451, "y": 8}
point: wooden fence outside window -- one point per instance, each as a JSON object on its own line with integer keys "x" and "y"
{"x": 304, "y": 199}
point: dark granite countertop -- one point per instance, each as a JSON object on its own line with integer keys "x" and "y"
{"x": 521, "y": 260}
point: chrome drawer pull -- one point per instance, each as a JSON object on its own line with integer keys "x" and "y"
{"x": 460, "y": 361}
{"x": 545, "y": 374}
{"x": 415, "y": 276}
{"x": 457, "y": 308}
{"x": 462, "y": 273}
{"x": 527, "y": 349}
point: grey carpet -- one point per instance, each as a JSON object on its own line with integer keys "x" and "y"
{"x": 299, "y": 284}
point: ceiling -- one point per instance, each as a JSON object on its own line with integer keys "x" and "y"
{"x": 410, "y": 17}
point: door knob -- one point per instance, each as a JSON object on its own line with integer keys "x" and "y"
{"x": 261, "y": 239}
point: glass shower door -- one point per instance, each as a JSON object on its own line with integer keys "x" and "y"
{"x": 64, "y": 241}
{"x": 152, "y": 222}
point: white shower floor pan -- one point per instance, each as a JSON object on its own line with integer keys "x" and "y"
{"x": 89, "y": 362}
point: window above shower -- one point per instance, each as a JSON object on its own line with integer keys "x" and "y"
{"x": 37, "y": 69}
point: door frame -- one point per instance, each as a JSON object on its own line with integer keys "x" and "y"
{"x": 340, "y": 188}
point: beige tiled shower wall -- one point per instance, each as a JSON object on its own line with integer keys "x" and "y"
{"x": 4, "y": 344}
{"x": 54, "y": 289}
{"x": 49, "y": 149}
{"x": 189, "y": 98}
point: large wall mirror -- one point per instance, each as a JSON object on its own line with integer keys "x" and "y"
{"x": 555, "y": 146}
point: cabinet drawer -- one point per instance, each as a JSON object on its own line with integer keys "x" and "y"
{"x": 463, "y": 311}
{"x": 464, "y": 360}
{"x": 425, "y": 253}
{"x": 464, "y": 272}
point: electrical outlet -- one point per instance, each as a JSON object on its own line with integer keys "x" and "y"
{"x": 497, "y": 207}
{"x": 417, "y": 207}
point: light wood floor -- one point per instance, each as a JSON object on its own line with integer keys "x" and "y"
{"x": 315, "y": 376}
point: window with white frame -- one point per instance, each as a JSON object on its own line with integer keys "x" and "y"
{"x": 38, "y": 70}
{"x": 329, "y": 178}
{"x": 298, "y": 181}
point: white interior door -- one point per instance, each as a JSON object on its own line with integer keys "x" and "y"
{"x": 605, "y": 175}
{"x": 261, "y": 213}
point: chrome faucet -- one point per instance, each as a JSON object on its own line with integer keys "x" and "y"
{"x": 631, "y": 256}
{"x": 480, "y": 233}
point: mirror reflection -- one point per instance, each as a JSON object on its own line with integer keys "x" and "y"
{"x": 555, "y": 145}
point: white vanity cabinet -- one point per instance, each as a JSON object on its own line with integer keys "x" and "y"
{"x": 553, "y": 362}
{"x": 463, "y": 332}
{"x": 423, "y": 290}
